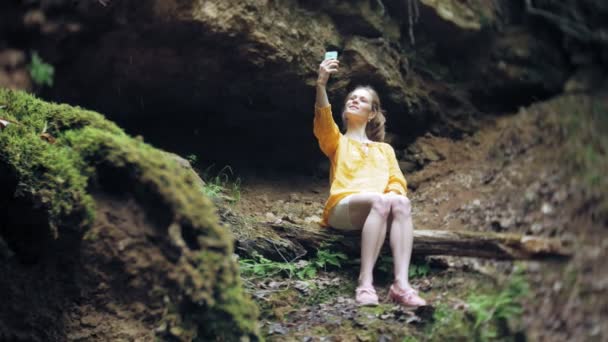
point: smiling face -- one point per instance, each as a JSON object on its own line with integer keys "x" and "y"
{"x": 358, "y": 106}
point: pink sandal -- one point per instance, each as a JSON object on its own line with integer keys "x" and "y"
{"x": 366, "y": 296}
{"x": 408, "y": 297}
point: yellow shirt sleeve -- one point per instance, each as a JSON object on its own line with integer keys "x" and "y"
{"x": 396, "y": 180}
{"x": 326, "y": 130}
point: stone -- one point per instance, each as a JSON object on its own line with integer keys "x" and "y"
{"x": 507, "y": 222}
{"x": 547, "y": 209}
{"x": 270, "y": 217}
{"x": 294, "y": 197}
{"x": 407, "y": 166}
{"x": 312, "y": 219}
{"x": 430, "y": 154}
{"x": 277, "y": 328}
{"x": 537, "y": 228}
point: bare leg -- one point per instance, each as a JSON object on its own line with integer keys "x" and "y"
{"x": 369, "y": 210}
{"x": 401, "y": 238}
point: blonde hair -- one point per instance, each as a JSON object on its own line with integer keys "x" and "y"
{"x": 375, "y": 128}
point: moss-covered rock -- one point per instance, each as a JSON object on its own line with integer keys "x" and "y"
{"x": 91, "y": 155}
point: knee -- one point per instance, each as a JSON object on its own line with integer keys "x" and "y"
{"x": 401, "y": 206}
{"x": 381, "y": 205}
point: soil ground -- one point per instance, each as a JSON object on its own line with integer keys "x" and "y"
{"x": 507, "y": 177}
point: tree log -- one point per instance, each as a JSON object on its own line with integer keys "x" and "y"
{"x": 296, "y": 240}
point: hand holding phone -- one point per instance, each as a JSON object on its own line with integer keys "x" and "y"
{"x": 331, "y": 55}
{"x": 328, "y": 66}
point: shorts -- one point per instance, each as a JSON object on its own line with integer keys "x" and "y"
{"x": 339, "y": 217}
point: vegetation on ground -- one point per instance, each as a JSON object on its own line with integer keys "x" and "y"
{"x": 485, "y": 316}
{"x": 41, "y": 72}
{"x": 262, "y": 267}
{"x": 223, "y": 185}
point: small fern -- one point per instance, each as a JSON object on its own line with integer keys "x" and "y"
{"x": 41, "y": 72}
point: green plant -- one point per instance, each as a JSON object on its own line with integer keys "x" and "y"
{"x": 192, "y": 158}
{"x": 490, "y": 311}
{"x": 448, "y": 324}
{"x": 303, "y": 269}
{"x": 419, "y": 270}
{"x": 41, "y": 72}
{"x": 221, "y": 185}
{"x": 325, "y": 257}
{"x": 416, "y": 269}
{"x": 263, "y": 267}
{"x": 485, "y": 317}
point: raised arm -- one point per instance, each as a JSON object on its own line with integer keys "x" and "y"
{"x": 325, "y": 128}
{"x": 327, "y": 67}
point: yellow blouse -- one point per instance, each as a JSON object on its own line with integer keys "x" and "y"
{"x": 355, "y": 166}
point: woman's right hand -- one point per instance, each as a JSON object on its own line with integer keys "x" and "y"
{"x": 327, "y": 67}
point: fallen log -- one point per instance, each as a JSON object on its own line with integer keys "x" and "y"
{"x": 294, "y": 241}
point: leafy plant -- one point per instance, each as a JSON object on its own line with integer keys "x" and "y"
{"x": 219, "y": 184}
{"x": 263, "y": 267}
{"x": 419, "y": 270}
{"x": 498, "y": 308}
{"x": 449, "y": 324}
{"x": 41, "y": 72}
{"x": 325, "y": 257}
{"x": 485, "y": 317}
{"x": 192, "y": 158}
{"x": 416, "y": 270}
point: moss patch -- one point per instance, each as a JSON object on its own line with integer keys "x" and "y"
{"x": 91, "y": 153}
{"x": 52, "y": 176}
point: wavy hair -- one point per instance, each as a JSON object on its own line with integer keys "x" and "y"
{"x": 375, "y": 129}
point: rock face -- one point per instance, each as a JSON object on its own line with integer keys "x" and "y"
{"x": 232, "y": 81}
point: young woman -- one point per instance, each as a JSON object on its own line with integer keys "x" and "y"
{"x": 368, "y": 190}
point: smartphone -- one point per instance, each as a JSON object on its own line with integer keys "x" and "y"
{"x": 331, "y": 55}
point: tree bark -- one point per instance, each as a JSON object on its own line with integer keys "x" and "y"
{"x": 296, "y": 240}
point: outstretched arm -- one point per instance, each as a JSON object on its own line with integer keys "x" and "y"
{"x": 325, "y": 128}
{"x": 327, "y": 67}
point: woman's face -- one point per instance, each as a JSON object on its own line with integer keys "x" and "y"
{"x": 359, "y": 106}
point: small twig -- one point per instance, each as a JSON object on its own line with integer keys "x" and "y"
{"x": 413, "y": 15}
{"x": 382, "y": 9}
{"x": 281, "y": 254}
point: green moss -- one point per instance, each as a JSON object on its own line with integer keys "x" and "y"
{"x": 58, "y": 177}
{"x": 280, "y": 303}
{"x": 322, "y": 295}
{"x": 53, "y": 176}
{"x": 450, "y": 324}
{"x": 230, "y": 314}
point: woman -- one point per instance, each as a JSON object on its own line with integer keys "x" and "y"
{"x": 368, "y": 190}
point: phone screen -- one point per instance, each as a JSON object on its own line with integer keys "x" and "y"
{"x": 331, "y": 55}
